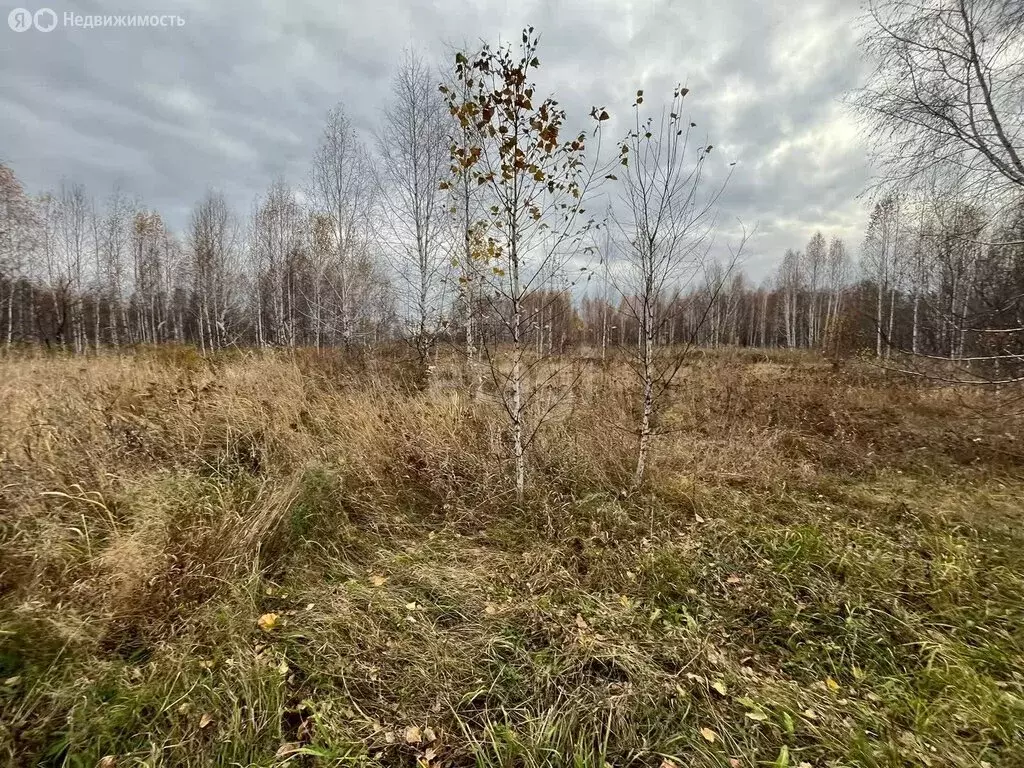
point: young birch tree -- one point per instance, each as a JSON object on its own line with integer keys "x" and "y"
{"x": 212, "y": 238}
{"x": 880, "y": 257}
{"x": 73, "y": 236}
{"x": 836, "y": 275}
{"x": 531, "y": 184}
{"x": 341, "y": 188}
{"x": 669, "y": 214}
{"x": 470, "y": 232}
{"x": 278, "y": 236}
{"x": 413, "y": 159}
{"x": 17, "y": 243}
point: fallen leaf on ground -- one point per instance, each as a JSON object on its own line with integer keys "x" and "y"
{"x": 378, "y": 581}
{"x": 734, "y": 579}
{"x": 581, "y": 622}
{"x": 205, "y": 720}
{"x": 831, "y": 684}
{"x": 287, "y": 749}
{"x": 413, "y": 735}
{"x": 429, "y": 735}
{"x": 719, "y": 686}
{"x": 267, "y": 621}
{"x": 708, "y": 735}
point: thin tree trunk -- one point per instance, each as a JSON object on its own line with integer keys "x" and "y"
{"x": 892, "y": 316}
{"x": 878, "y": 320}
{"x": 10, "y": 315}
{"x": 914, "y": 327}
{"x": 644, "y": 442}
{"x": 518, "y": 431}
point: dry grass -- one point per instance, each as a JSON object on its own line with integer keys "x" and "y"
{"x": 826, "y": 569}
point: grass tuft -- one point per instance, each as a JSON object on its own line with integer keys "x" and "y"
{"x": 262, "y": 559}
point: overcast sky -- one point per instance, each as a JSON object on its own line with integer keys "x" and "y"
{"x": 237, "y": 96}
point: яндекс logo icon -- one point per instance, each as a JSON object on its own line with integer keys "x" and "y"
{"x": 19, "y": 20}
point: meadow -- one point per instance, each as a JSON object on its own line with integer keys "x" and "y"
{"x": 301, "y": 559}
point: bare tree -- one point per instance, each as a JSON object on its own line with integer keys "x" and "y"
{"x": 790, "y": 283}
{"x": 17, "y": 244}
{"x": 943, "y": 106}
{"x": 341, "y": 187}
{"x": 815, "y": 257}
{"x": 114, "y": 238}
{"x": 278, "y": 237}
{"x": 669, "y": 213}
{"x": 882, "y": 261}
{"x": 73, "y": 233}
{"x": 946, "y": 90}
{"x": 412, "y": 162}
{"x": 212, "y": 244}
{"x": 837, "y": 275}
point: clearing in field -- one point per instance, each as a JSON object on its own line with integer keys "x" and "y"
{"x": 289, "y": 560}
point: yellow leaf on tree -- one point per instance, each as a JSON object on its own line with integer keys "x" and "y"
{"x": 267, "y": 621}
{"x": 708, "y": 735}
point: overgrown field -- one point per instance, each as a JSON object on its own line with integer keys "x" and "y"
{"x": 293, "y": 560}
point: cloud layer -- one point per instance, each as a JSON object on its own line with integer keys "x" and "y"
{"x": 237, "y": 96}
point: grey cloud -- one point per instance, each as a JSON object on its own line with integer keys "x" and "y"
{"x": 237, "y": 96}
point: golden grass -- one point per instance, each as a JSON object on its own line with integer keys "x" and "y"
{"x": 825, "y": 567}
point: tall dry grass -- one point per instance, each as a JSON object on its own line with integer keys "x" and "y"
{"x": 154, "y": 506}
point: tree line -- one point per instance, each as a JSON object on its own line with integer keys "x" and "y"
{"x": 394, "y": 238}
{"x": 471, "y": 219}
